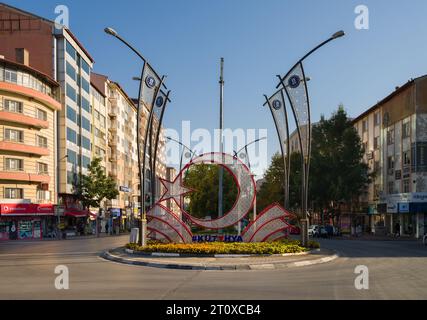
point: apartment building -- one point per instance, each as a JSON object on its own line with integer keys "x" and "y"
{"x": 29, "y": 101}
{"x": 394, "y": 135}
{"x": 58, "y": 54}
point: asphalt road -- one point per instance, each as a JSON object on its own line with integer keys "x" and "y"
{"x": 397, "y": 270}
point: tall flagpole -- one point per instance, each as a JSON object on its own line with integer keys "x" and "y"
{"x": 221, "y": 146}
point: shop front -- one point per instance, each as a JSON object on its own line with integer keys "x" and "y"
{"x": 25, "y": 221}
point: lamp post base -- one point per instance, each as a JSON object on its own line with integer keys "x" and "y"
{"x": 143, "y": 240}
{"x": 304, "y": 232}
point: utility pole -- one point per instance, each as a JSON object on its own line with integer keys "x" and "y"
{"x": 221, "y": 146}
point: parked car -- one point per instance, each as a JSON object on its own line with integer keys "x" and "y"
{"x": 323, "y": 232}
{"x": 313, "y": 230}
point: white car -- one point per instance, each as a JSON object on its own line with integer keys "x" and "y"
{"x": 313, "y": 230}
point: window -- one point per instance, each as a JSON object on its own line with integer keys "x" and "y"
{"x": 14, "y": 164}
{"x": 406, "y": 130}
{"x": 85, "y": 124}
{"x": 13, "y": 106}
{"x": 14, "y": 135}
{"x": 86, "y": 143}
{"x": 71, "y": 177}
{"x": 71, "y": 157}
{"x": 390, "y": 137}
{"x": 71, "y": 93}
{"x": 364, "y": 125}
{"x": 70, "y": 50}
{"x": 406, "y": 158}
{"x": 85, "y": 85}
{"x": 11, "y": 76}
{"x": 71, "y": 114}
{"x": 406, "y": 185}
{"x": 42, "y": 195}
{"x": 85, "y": 161}
{"x": 41, "y": 114}
{"x": 42, "y": 141}
{"x": 85, "y": 67}
{"x": 377, "y": 119}
{"x": 71, "y": 71}
{"x": 42, "y": 168}
{"x": 377, "y": 166}
{"x": 86, "y": 105}
{"x": 391, "y": 187}
{"x": 71, "y": 135}
{"x": 13, "y": 193}
{"x": 390, "y": 163}
{"x": 376, "y": 143}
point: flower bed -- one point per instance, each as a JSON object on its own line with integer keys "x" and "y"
{"x": 278, "y": 247}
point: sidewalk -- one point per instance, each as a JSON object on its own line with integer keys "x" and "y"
{"x": 221, "y": 262}
{"x": 369, "y": 237}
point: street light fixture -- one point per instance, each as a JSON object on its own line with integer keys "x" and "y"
{"x": 141, "y": 164}
{"x": 301, "y": 112}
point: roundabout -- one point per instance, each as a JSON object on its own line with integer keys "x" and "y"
{"x": 220, "y": 261}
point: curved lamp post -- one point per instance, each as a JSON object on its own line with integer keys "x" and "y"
{"x": 141, "y": 166}
{"x": 294, "y": 83}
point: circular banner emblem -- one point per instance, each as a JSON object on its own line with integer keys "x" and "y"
{"x": 294, "y": 81}
{"x": 150, "y": 82}
{"x": 159, "y": 102}
{"x": 277, "y": 104}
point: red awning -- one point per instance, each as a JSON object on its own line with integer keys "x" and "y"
{"x": 76, "y": 213}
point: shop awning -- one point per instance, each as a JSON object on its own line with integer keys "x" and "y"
{"x": 76, "y": 213}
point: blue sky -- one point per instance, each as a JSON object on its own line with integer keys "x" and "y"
{"x": 258, "y": 39}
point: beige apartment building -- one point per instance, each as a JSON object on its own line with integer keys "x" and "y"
{"x": 121, "y": 151}
{"x": 394, "y": 135}
{"x": 29, "y": 101}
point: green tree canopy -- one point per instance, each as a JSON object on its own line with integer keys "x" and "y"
{"x": 336, "y": 171}
{"x": 204, "y": 178}
{"x": 96, "y": 186}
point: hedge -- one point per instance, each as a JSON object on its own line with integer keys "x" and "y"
{"x": 278, "y": 247}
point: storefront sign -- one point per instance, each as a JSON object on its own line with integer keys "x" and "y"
{"x": 125, "y": 189}
{"x": 403, "y": 207}
{"x": 24, "y": 209}
{"x": 115, "y": 212}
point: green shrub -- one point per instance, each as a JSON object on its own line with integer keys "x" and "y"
{"x": 278, "y": 247}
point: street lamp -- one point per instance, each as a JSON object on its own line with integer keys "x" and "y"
{"x": 300, "y": 104}
{"x": 141, "y": 166}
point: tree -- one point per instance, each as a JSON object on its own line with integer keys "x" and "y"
{"x": 96, "y": 186}
{"x": 337, "y": 173}
{"x": 204, "y": 179}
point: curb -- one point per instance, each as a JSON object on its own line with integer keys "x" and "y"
{"x": 187, "y": 255}
{"x": 267, "y": 266}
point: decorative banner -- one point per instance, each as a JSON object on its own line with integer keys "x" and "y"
{"x": 150, "y": 82}
{"x": 296, "y": 90}
{"x": 277, "y": 106}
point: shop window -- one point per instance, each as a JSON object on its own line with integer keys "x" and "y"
{"x": 13, "y": 193}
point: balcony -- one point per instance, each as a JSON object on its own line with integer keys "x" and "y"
{"x": 23, "y": 148}
{"x": 23, "y": 176}
{"x": 24, "y": 119}
{"x": 41, "y": 97}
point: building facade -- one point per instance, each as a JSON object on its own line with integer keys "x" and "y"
{"x": 394, "y": 136}
{"x": 29, "y": 102}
